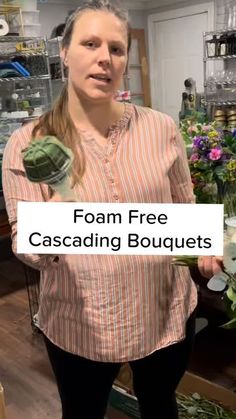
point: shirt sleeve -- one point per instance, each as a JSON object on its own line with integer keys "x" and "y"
{"x": 16, "y": 187}
{"x": 179, "y": 174}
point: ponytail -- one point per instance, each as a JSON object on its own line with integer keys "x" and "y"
{"x": 57, "y": 122}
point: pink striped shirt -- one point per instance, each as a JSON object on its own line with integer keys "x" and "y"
{"x": 112, "y": 307}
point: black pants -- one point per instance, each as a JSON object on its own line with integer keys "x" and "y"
{"x": 84, "y": 385}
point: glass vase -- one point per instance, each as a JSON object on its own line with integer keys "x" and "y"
{"x": 226, "y": 194}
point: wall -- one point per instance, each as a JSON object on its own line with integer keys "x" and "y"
{"x": 138, "y": 20}
{"x": 52, "y": 13}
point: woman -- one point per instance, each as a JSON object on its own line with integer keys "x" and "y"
{"x": 99, "y": 311}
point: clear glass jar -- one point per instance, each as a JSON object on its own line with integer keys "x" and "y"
{"x": 212, "y": 47}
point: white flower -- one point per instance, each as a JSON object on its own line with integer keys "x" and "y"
{"x": 229, "y": 259}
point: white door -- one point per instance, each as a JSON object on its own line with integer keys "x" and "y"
{"x": 176, "y": 53}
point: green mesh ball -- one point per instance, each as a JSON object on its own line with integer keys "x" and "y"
{"x": 46, "y": 160}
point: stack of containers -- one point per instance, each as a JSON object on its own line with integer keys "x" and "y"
{"x": 220, "y": 118}
{"x": 231, "y": 117}
{"x": 30, "y": 18}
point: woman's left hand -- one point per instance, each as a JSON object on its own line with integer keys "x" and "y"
{"x": 209, "y": 265}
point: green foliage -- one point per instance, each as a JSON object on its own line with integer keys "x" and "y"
{"x": 196, "y": 407}
{"x": 212, "y": 159}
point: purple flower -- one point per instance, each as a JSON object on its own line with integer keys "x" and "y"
{"x": 200, "y": 142}
{"x": 234, "y": 132}
{"x": 215, "y": 154}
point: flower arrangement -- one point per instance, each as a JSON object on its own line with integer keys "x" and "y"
{"x": 212, "y": 161}
{"x": 225, "y": 280}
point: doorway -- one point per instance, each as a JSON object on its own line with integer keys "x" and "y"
{"x": 176, "y": 53}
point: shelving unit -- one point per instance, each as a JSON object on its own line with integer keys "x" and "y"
{"x": 57, "y": 69}
{"x": 20, "y": 93}
{"x": 55, "y": 62}
{"x": 23, "y": 98}
{"x": 10, "y": 12}
{"x": 220, "y": 70}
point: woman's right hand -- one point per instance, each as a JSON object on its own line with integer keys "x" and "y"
{"x": 57, "y": 198}
{"x": 209, "y": 265}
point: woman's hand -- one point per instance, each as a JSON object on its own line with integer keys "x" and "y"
{"x": 57, "y": 198}
{"x": 209, "y": 265}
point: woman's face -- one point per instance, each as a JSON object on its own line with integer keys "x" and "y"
{"x": 97, "y": 55}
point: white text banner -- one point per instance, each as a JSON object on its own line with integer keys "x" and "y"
{"x": 125, "y": 228}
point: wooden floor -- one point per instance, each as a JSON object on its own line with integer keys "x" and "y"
{"x": 25, "y": 372}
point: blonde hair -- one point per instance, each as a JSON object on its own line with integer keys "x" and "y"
{"x": 57, "y": 121}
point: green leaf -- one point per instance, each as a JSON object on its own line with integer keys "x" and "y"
{"x": 229, "y": 139}
{"x": 202, "y": 165}
{"x": 231, "y": 294}
{"x": 220, "y": 172}
{"x": 184, "y": 260}
{"x": 233, "y": 306}
{"x": 229, "y": 325}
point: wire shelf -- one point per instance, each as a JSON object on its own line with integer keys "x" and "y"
{"x": 31, "y": 78}
{"x": 24, "y": 119}
{"x": 7, "y": 39}
{"x": 221, "y": 103}
{"x": 23, "y": 54}
{"x": 220, "y": 32}
{"x": 220, "y": 57}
